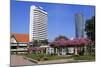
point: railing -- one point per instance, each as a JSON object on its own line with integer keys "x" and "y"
{"x": 19, "y": 49}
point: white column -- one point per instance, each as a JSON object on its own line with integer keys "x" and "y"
{"x": 76, "y": 51}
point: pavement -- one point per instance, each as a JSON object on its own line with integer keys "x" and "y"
{"x": 17, "y": 60}
{"x": 56, "y": 61}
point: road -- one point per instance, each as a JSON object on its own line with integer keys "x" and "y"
{"x": 17, "y": 60}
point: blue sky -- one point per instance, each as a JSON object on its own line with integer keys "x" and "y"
{"x": 61, "y": 17}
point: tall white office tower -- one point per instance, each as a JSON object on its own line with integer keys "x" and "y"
{"x": 38, "y": 23}
{"x": 79, "y": 25}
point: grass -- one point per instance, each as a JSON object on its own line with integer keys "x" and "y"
{"x": 46, "y": 56}
{"x": 55, "y": 57}
{"x": 85, "y": 57}
{"x": 35, "y": 56}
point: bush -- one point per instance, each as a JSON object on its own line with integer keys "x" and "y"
{"x": 41, "y": 55}
{"x": 38, "y": 59}
{"x": 45, "y": 58}
{"x": 53, "y": 54}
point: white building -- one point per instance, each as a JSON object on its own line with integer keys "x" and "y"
{"x": 38, "y": 23}
{"x": 19, "y": 43}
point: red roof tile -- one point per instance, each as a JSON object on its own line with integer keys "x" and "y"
{"x": 21, "y": 37}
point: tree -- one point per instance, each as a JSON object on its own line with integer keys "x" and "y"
{"x": 90, "y": 28}
{"x": 35, "y": 42}
{"x": 40, "y": 42}
{"x": 61, "y": 37}
{"x": 45, "y": 42}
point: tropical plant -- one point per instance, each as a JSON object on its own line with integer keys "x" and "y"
{"x": 90, "y": 28}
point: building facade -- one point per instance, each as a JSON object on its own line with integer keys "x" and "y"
{"x": 38, "y": 23}
{"x": 79, "y": 25}
{"x": 19, "y": 43}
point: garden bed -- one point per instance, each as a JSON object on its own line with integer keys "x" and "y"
{"x": 45, "y": 57}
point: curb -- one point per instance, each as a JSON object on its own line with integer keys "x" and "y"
{"x": 32, "y": 60}
{"x": 40, "y": 62}
{"x": 55, "y": 61}
{"x": 50, "y": 62}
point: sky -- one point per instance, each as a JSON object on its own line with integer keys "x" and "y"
{"x": 61, "y": 17}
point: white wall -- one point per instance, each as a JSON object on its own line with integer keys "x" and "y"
{"x": 22, "y": 44}
{"x": 13, "y": 40}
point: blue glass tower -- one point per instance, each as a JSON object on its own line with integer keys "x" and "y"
{"x": 79, "y": 25}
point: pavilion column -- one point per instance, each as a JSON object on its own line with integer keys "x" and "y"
{"x": 47, "y": 50}
{"x": 85, "y": 50}
{"x": 56, "y": 51}
{"x": 17, "y": 48}
{"x": 76, "y": 50}
{"x": 28, "y": 46}
{"x": 61, "y": 51}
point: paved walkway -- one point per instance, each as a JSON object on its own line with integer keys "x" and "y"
{"x": 56, "y": 61}
{"x": 17, "y": 60}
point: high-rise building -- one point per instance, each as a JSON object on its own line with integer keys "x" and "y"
{"x": 38, "y": 23}
{"x": 79, "y": 25}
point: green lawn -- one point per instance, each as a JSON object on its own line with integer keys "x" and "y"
{"x": 85, "y": 57}
{"x": 46, "y": 57}
{"x": 54, "y": 57}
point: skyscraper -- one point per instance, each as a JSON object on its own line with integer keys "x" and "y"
{"x": 79, "y": 25}
{"x": 38, "y": 23}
